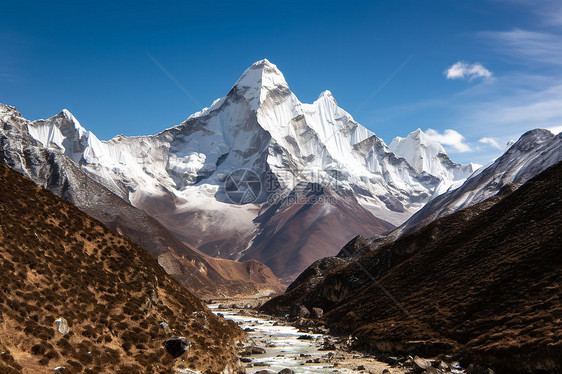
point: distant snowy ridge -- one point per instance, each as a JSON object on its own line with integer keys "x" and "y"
{"x": 424, "y": 154}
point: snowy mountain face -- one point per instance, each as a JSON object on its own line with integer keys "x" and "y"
{"x": 533, "y": 153}
{"x": 183, "y": 176}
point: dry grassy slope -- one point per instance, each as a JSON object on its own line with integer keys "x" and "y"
{"x": 55, "y": 262}
{"x": 222, "y": 278}
{"x": 484, "y": 283}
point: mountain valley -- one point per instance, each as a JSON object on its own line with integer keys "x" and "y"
{"x": 390, "y": 250}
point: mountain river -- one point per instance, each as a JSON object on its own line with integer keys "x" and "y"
{"x": 284, "y": 349}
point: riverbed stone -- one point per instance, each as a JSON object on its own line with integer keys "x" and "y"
{"x": 286, "y": 371}
{"x": 264, "y": 371}
{"x": 432, "y": 370}
{"x": 421, "y": 364}
{"x": 257, "y": 350}
{"x": 442, "y": 365}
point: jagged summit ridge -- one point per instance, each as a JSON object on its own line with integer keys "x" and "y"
{"x": 64, "y": 133}
{"x": 327, "y": 95}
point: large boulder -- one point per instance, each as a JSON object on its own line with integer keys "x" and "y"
{"x": 286, "y": 371}
{"x": 177, "y": 346}
{"x": 317, "y": 312}
{"x": 253, "y": 350}
{"x": 257, "y": 350}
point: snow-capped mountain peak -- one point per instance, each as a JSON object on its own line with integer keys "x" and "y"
{"x": 418, "y": 150}
{"x": 427, "y": 155}
{"x": 261, "y": 74}
{"x": 259, "y": 80}
{"x": 66, "y": 113}
{"x": 327, "y": 95}
{"x": 262, "y": 125}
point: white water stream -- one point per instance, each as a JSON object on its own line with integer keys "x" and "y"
{"x": 283, "y": 348}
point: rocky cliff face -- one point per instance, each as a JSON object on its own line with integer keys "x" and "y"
{"x": 305, "y": 225}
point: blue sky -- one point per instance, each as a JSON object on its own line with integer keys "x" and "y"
{"x": 93, "y": 59}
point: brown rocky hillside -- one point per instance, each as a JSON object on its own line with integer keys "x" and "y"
{"x": 119, "y": 304}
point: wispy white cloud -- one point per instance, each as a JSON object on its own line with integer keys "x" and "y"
{"x": 549, "y": 12}
{"x": 523, "y": 102}
{"x": 10, "y": 57}
{"x": 450, "y": 138}
{"x": 523, "y": 44}
{"x": 552, "y": 15}
{"x": 517, "y": 112}
{"x": 463, "y": 70}
{"x": 490, "y": 141}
